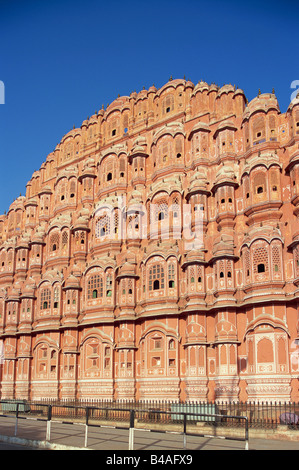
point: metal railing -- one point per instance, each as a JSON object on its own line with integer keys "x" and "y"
{"x": 127, "y": 418}
{"x": 267, "y": 415}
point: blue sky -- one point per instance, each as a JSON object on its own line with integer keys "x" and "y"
{"x": 61, "y": 60}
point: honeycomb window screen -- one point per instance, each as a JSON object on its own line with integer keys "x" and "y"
{"x": 260, "y": 258}
{"x": 192, "y": 274}
{"x": 247, "y": 265}
{"x": 54, "y": 242}
{"x": 103, "y": 226}
{"x": 276, "y": 259}
{"x": 65, "y": 238}
{"x": 116, "y": 222}
{"x": 176, "y": 208}
{"x": 161, "y": 210}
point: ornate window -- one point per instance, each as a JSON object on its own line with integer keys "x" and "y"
{"x": 260, "y": 260}
{"x": 72, "y": 188}
{"x": 171, "y": 276}
{"x": 45, "y": 299}
{"x": 56, "y": 297}
{"x": 64, "y": 240}
{"x": 168, "y": 104}
{"x": 156, "y": 277}
{"x": 103, "y": 226}
{"x": 259, "y": 184}
{"x": 95, "y": 287}
{"x": 54, "y": 242}
{"x": 258, "y": 129}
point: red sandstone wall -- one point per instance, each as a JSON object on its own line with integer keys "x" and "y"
{"x": 125, "y": 306}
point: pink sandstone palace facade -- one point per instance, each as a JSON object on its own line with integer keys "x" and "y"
{"x": 103, "y": 295}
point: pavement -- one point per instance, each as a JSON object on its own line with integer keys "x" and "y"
{"x": 31, "y": 433}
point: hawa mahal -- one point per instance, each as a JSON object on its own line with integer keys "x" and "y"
{"x": 156, "y": 254}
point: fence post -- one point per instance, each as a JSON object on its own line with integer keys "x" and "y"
{"x": 17, "y": 414}
{"x": 246, "y": 434}
{"x": 86, "y": 426}
{"x": 131, "y": 430}
{"x": 185, "y": 430}
{"x": 48, "y": 435}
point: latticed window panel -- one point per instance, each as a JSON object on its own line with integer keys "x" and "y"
{"x": 171, "y": 275}
{"x": 45, "y": 299}
{"x": 161, "y": 210}
{"x": 196, "y": 277}
{"x": 95, "y": 287}
{"x": 108, "y": 285}
{"x": 156, "y": 277}
{"x": 56, "y": 294}
{"x": 247, "y": 265}
{"x": 54, "y": 242}
{"x": 65, "y": 238}
{"x": 102, "y": 228}
{"x": 260, "y": 257}
{"x": 276, "y": 259}
{"x": 171, "y": 271}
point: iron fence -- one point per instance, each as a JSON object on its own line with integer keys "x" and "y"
{"x": 259, "y": 414}
{"x": 92, "y": 416}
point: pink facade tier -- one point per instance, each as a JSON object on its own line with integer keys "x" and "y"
{"x": 156, "y": 254}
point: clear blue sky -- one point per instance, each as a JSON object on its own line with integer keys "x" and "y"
{"x": 61, "y": 60}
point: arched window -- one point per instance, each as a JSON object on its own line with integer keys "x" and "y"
{"x": 64, "y": 240}
{"x": 54, "y": 242}
{"x": 56, "y": 297}
{"x": 259, "y": 183}
{"x": 72, "y": 188}
{"x": 260, "y": 260}
{"x": 156, "y": 277}
{"x": 45, "y": 299}
{"x": 171, "y": 275}
{"x": 103, "y": 226}
{"x": 95, "y": 287}
{"x": 108, "y": 286}
{"x": 168, "y": 104}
